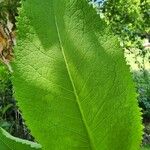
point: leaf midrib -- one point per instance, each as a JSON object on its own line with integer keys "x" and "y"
{"x": 92, "y": 145}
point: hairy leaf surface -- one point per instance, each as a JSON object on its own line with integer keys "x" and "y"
{"x": 8, "y": 142}
{"x": 71, "y": 80}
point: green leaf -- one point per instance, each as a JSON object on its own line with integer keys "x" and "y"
{"x": 8, "y": 142}
{"x": 4, "y": 110}
{"x": 71, "y": 80}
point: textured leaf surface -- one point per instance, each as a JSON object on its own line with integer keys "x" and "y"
{"x": 71, "y": 80}
{"x": 8, "y": 142}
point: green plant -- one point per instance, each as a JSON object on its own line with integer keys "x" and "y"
{"x": 129, "y": 19}
{"x": 143, "y": 86}
{"x": 8, "y": 142}
{"x": 5, "y": 101}
{"x": 8, "y": 10}
{"x": 71, "y": 81}
{"x": 147, "y": 147}
{"x": 10, "y": 118}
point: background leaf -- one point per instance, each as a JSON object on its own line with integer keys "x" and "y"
{"x": 8, "y": 142}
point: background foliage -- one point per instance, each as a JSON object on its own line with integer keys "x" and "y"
{"x": 10, "y": 116}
